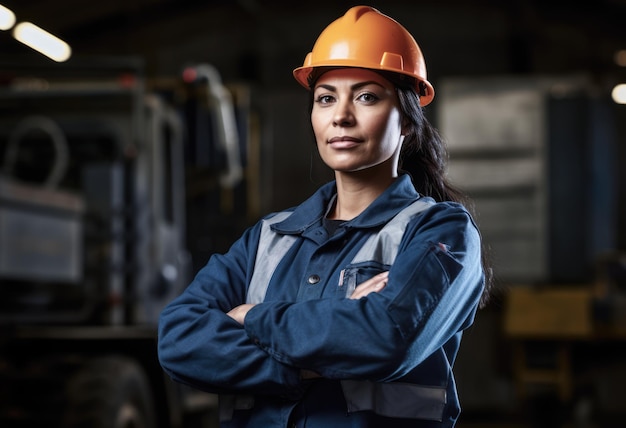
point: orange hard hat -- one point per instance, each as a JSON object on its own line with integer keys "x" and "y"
{"x": 366, "y": 38}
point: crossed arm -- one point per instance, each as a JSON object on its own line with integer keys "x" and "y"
{"x": 372, "y": 285}
{"x": 208, "y": 344}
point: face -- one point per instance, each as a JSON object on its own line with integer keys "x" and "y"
{"x": 356, "y": 120}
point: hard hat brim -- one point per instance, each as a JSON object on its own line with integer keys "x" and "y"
{"x": 302, "y": 76}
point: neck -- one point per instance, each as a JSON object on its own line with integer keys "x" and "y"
{"x": 357, "y": 190}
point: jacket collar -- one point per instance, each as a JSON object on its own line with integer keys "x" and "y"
{"x": 399, "y": 195}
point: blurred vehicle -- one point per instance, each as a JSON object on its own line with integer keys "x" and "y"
{"x": 92, "y": 246}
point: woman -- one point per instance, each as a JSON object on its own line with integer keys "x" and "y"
{"x": 348, "y": 310}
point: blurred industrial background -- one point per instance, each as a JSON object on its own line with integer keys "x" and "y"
{"x": 169, "y": 126}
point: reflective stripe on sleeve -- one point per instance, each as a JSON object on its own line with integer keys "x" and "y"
{"x": 395, "y": 400}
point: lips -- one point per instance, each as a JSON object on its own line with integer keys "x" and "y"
{"x": 344, "y": 142}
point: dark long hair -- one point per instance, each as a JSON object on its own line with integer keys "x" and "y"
{"x": 424, "y": 153}
{"x": 425, "y": 157}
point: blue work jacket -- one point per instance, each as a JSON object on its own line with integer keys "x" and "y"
{"x": 383, "y": 360}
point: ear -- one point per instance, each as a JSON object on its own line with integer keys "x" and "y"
{"x": 406, "y": 128}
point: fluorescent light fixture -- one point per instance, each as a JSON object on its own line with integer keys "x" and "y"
{"x": 619, "y": 93}
{"x": 7, "y": 18}
{"x": 42, "y": 41}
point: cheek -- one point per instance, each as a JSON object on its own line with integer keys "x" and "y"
{"x": 316, "y": 124}
{"x": 390, "y": 133}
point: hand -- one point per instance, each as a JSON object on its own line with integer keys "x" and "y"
{"x": 372, "y": 285}
{"x": 308, "y": 374}
{"x": 238, "y": 313}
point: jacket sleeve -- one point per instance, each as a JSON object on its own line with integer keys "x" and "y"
{"x": 201, "y": 346}
{"x": 432, "y": 293}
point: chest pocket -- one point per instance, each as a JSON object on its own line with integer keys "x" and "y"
{"x": 357, "y": 273}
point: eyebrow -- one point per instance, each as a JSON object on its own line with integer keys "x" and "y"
{"x": 353, "y": 87}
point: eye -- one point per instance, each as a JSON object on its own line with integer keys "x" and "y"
{"x": 325, "y": 99}
{"x": 368, "y": 97}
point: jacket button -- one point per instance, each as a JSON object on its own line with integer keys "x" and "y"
{"x": 314, "y": 279}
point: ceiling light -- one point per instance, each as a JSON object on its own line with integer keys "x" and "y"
{"x": 619, "y": 93}
{"x": 42, "y": 41}
{"x": 7, "y": 18}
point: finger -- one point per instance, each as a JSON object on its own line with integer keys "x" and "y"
{"x": 373, "y": 284}
{"x": 375, "y": 279}
{"x": 239, "y": 313}
{"x": 365, "y": 289}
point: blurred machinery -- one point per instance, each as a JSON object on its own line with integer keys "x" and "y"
{"x": 568, "y": 343}
{"x": 537, "y": 156}
{"x": 93, "y": 242}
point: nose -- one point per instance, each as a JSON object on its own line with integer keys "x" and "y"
{"x": 344, "y": 115}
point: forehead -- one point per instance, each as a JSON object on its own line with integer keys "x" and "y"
{"x": 350, "y": 76}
